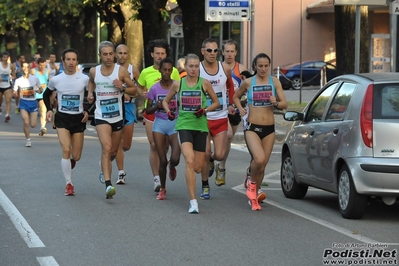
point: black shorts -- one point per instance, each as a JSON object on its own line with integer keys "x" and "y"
{"x": 3, "y": 90}
{"x": 73, "y": 123}
{"x": 115, "y": 126}
{"x": 197, "y": 138}
{"x": 234, "y": 119}
{"x": 261, "y": 131}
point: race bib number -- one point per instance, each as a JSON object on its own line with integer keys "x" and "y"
{"x": 172, "y": 103}
{"x": 220, "y": 98}
{"x": 70, "y": 103}
{"x": 110, "y": 108}
{"x": 191, "y": 101}
{"x": 27, "y": 92}
{"x": 261, "y": 95}
{"x": 5, "y": 77}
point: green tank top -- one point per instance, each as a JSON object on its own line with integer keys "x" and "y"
{"x": 190, "y": 100}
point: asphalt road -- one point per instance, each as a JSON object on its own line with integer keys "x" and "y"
{"x": 40, "y": 226}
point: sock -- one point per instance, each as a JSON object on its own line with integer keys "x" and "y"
{"x": 108, "y": 183}
{"x": 157, "y": 178}
{"x": 121, "y": 172}
{"x": 27, "y": 139}
{"x": 205, "y": 183}
{"x": 66, "y": 169}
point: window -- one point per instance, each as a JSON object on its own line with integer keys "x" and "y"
{"x": 316, "y": 110}
{"x": 340, "y": 102}
{"x": 389, "y": 100}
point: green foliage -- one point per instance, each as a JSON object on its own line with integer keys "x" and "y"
{"x": 21, "y": 13}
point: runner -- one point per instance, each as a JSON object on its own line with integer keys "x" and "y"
{"x": 158, "y": 49}
{"x": 7, "y": 73}
{"x": 109, "y": 81}
{"x": 229, "y": 51}
{"x": 122, "y": 53}
{"x": 18, "y": 73}
{"x": 192, "y": 124}
{"x": 42, "y": 73}
{"x": 219, "y": 75}
{"x": 25, "y": 88}
{"x": 180, "y": 67}
{"x": 70, "y": 118}
{"x": 163, "y": 129}
{"x": 264, "y": 92}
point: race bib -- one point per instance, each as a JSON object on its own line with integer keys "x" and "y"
{"x": 70, "y": 103}
{"x": 110, "y": 108}
{"x": 191, "y": 101}
{"x": 261, "y": 95}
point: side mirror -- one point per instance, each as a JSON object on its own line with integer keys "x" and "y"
{"x": 293, "y": 116}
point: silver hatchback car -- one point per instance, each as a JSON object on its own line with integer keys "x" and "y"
{"x": 346, "y": 141}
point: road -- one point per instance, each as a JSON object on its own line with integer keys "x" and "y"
{"x": 40, "y": 226}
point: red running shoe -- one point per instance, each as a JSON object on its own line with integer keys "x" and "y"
{"x": 172, "y": 173}
{"x": 161, "y": 195}
{"x": 69, "y": 190}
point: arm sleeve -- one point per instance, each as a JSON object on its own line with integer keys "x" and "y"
{"x": 230, "y": 89}
{"x": 46, "y": 98}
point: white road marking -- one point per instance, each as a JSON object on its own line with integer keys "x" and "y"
{"x": 24, "y": 229}
{"x": 47, "y": 261}
{"x": 241, "y": 189}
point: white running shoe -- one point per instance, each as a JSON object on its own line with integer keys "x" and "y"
{"x": 193, "y": 207}
{"x": 28, "y": 143}
{"x": 157, "y": 184}
{"x": 121, "y": 179}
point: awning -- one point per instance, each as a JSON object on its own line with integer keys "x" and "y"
{"x": 321, "y": 6}
{"x": 327, "y": 6}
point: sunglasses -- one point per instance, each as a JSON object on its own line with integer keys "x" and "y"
{"x": 209, "y": 50}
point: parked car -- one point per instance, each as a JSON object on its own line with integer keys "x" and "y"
{"x": 290, "y": 74}
{"x": 345, "y": 142}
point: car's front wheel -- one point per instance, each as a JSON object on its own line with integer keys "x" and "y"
{"x": 296, "y": 83}
{"x": 290, "y": 187}
{"x": 351, "y": 204}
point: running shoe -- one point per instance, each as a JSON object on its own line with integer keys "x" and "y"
{"x": 101, "y": 175}
{"x": 247, "y": 178}
{"x": 1, "y": 111}
{"x": 110, "y": 192}
{"x": 69, "y": 190}
{"x": 157, "y": 184}
{"x": 256, "y": 208}
{"x": 261, "y": 196}
{"x": 17, "y": 110}
{"x": 211, "y": 168}
{"x": 28, "y": 143}
{"x": 251, "y": 194}
{"x": 172, "y": 173}
{"x": 7, "y": 118}
{"x": 161, "y": 195}
{"x": 220, "y": 176}
{"x": 43, "y": 131}
{"x": 121, "y": 179}
{"x": 193, "y": 207}
{"x": 205, "y": 193}
{"x": 73, "y": 163}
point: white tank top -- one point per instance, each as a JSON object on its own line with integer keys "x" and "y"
{"x": 108, "y": 98}
{"x": 218, "y": 82}
{"x": 5, "y": 76}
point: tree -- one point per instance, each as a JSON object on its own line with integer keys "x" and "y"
{"x": 154, "y": 16}
{"x": 195, "y": 28}
{"x": 345, "y": 39}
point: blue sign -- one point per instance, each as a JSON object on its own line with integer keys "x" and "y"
{"x": 239, "y": 10}
{"x": 229, "y": 3}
